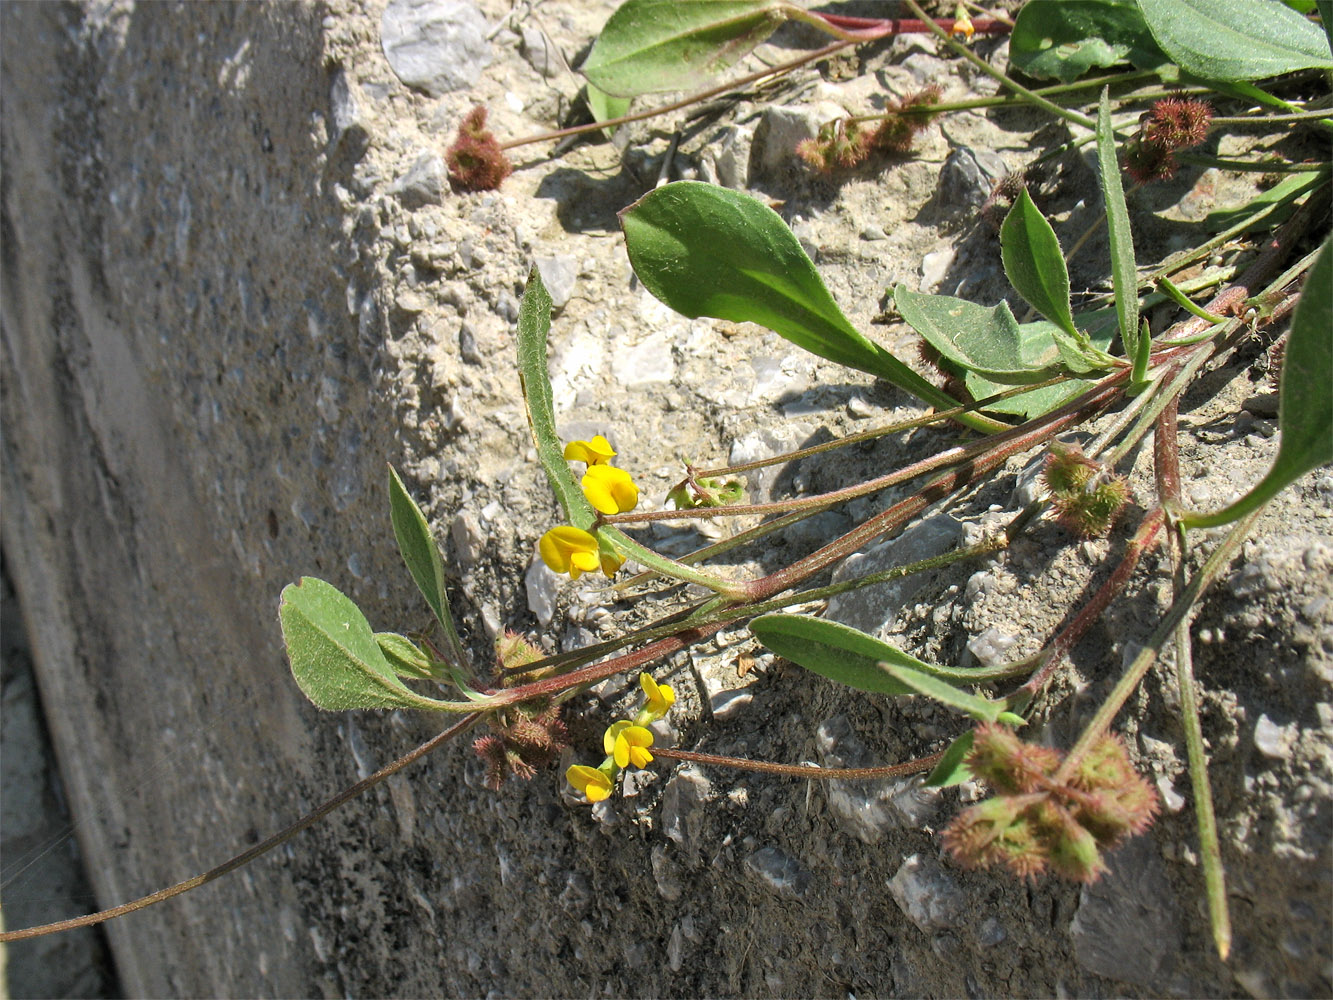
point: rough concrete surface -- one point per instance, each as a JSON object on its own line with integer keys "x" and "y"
{"x": 236, "y": 283}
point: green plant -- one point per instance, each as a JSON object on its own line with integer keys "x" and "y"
{"x": 1027, "y": 382}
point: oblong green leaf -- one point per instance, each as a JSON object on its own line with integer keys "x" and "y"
{"x": 423, "y": 559}
{"x": 1305, "y": 400}
{"x": 1034, "y": 263}
{"x": 1064, "y": 40}
{"x": 1235, "y": 39}
{"x": 984, "y": 340}
{"x": 922, "y": 683}
{"x": 604, "y": 107}
{"x": 534, "y": 323}
{"x": 334, "y": 655}
{"x": 951, "y": 770}
{"x": 710, "y": 251}
{"x": 649, "y": 46}
{"x": 850, "y": 656}
{"x": 405, "y": 657}
{"x": 1124, "y": 273}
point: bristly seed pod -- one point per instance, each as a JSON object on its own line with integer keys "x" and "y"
{"x": 475, "y": 160}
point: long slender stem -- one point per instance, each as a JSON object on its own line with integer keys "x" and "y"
{"x": 808, "y": 771}
{"x": 1134, "y": 673}
{"x": 263, "y": 847}
{"x": 1004, "y": 81}
{"x": 684, "y": 102}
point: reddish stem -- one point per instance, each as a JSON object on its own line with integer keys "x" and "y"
{"x": 803, "y": 771}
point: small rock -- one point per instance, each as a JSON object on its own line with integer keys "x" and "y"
{"x": 731, "y": 156}
{"x": 991, "y": 647}
{"x": 871, "y": 609}
{"x": 1127, "y": 926}
{"x": 424, "y": 183}
{"x": 347, "y": 115}
{"x": 558, "y": 275}
{"x": 467, "y": 345}
{"x": 779, "y": 871}
{"x": 540, "y": 51}
{"x": 780, "y": 130}
{"x": 860, "y": 408}
{"x": 666, "y": 873}
{"x": 410, "y": 302}
{"x": 725, "y": 704}
{"x": 868, "y": 809}
{"x": 934, "y": 266}
{"x": 1273, "y": 740}
{"x": 967, "y": 177}
{"x": 1263, "y": 405}
{"x": 435, "y": 45}
{"x": 469, "y": 539}
{"x": 873, "y": 231}
{"x": 926, "y": 893}
{"x": 684, "y": 807}
{"x": 542, "y": 585}
{"x": 646, "y": 363}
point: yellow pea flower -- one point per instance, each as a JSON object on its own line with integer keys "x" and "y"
{"x": 591, "y": 782}
{"x": 598, "y": 451}
{"x": 611, "y": 562}
{"x": 660, "y": 699}
{"x": 628, "y": 744}
{"x": 571, "y": 550}
{"x": 609, "y": 489}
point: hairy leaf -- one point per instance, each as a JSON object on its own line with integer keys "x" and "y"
{"x": 1236, "y": 39}
{"x": 335, "y": 657}
{"x": 849, "y": 656}
{"x": 1064, "y": 40}
{"x": 1305, "y": 408}
{"x": 709, "y": 251}
{"x": 1124, "y": 273}
{"x": 649, "y": 46}
{"x": 423, "y": 559}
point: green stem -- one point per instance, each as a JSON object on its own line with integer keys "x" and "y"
{"x": 1030, "y": 96}
{"x": 1179, "y": 611}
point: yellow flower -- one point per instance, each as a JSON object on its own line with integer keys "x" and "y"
{"x": 660, "y": 699}
{"x": 609, "y": 489}
{"x": 593, "y": 783}
{"x": 598, "y": 451}
{"x": 611, "y": 562}
{"x": 962, "y": 24}
{"x": 628, "y": 744}
{"x": 571, "y": 550}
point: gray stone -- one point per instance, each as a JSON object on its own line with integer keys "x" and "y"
{"x": 542, "y": 586}
{"x": 685, "y": 807}
{"x": 540, "y": 51}
{"x": 991, "y": 647}
{"x": 559, "y": 274}
{"x": 871, "y": 609}
{"x": 435, "y": 45}
{"x": 779, "y": 871}
{"x": 425, "y": 182}
{"x": 347, "y": 115}
{"x": 869, "y": 809}
{"x": 968, "y": 176}
{"x": 1128, "y": 926}
{"x": 927, "y": 893}
{"x": 780, "y": 130}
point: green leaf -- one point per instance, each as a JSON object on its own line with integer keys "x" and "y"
{"x": 422, "y": 556}
{"x": 1289, "y": 192}
{"x": 604, "y": 107}
{"x": 710, "y": 251}
{"x": 951, "y": 770}
{"x": 1325, "y": 8}
{"x": 335, "y": 657}
{"x": 534, "y": 323}
{"x": 1124, "y": 273}
{"x": 1305, "y": 407}
{"x": 978, "y": 339}
{"x": 1236, "y": 39}
{"x": 920, "y": 682}
{"x": 1034, "y": 263}
{"x": 849, "y": 656}
{"x": 405, "y": 658}
{"x": 649, "y": 46}
{"x": 1065, "y": 40}
{"x": 1098, "y": 325}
